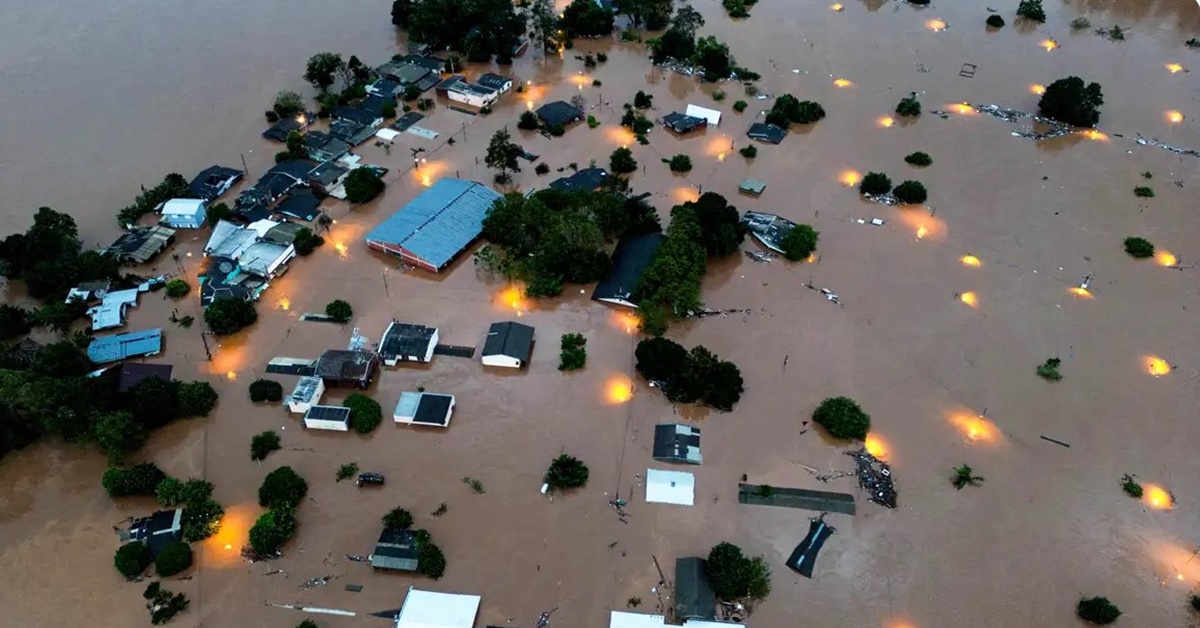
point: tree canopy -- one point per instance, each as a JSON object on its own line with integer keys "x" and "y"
{"x": 365, "y": 413}
{"x": 322, "y": 69}
{"x": 692, "y": 376}
{"x": 226, "y": 316}
{"x": 788, "y": 109}
{"x": 1069, "y": 100}
{"x": 670, "y": 287}
{"x": 585, "y": 18}
{"x": 800, "y": 242}
{"x": 502, "y": 155}
{"x": 173, "y": 558}
{"x": 339, "y": 310}
{"x": 49, "y": 258}
{"x": 621, "y": 161}
{"x": 398, "y": 519}
{"x": 362, "y": 185}
{"x": 140, "y": 479}
{"x": 480, "y": 28}
{"x": 132, "y": 559}
{"x": 910, "y": 192}
{"x": 265, "y": 390}
{"x": 735, "y": 576}
{"x": 843, "y": 418}
{"x": 263, "y": 443}
{"x": 566, "y": 472}
{"x": 273, "y": 529}
{"x": 283, "y": 486}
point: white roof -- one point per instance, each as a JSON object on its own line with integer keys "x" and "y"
{"x": 111, "y": 311}
{"x": 261, "y": 227}
{"x": 620, "y": 619}
{"x": 308, "y": 390}
{"x": 670, "y": 487}
{"x": 700, "y": 623}
{"x": 260, "y": 256}
{"x": 387, "y": 134}
{"x": 182, "y": 207}
{"x": 429, "y": 609}
{"x": 229, "y": 240}
{"x": 712, "y": 115}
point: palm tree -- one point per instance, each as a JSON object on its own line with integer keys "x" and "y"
{"x": 962, "y": 477}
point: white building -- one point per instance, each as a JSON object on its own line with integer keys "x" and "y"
{"x": 430, "y": 409}
{"x": 430, "y": 609}
{"x": 336, "y": 418}
{"x": 508, "y": 345}
{"x": 407, "y": 342}
{"x": 670, "y": 487}
{"x": 622, "y": 619}
{"x": 184, "y": 213}
{"x": 307, "y": 394}
{"x": 246, "y": 246}
{"x": 111, "y": 311}
{"x": 472, "y": 94}
{"x": 711, "y": 115}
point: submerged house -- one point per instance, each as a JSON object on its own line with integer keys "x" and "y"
{"x": 396, "y": 550}
{"x": 110, "y": 312}
{"x": 768, "y": 229}
{"x": 407, "y": 342}
{"x": 249, "y": 247}
{"x": 495, "y": 82}
{"x": 347, "y": 367}
{"x": 631, "y": 258}
{"x": 124, "y": 346}
{"x": 327, "y": 176}
{"x": 358, "y": 115}
{"x": 435, "y": 226}
{"x": 184, "y": 213}
{"x": 158, "y": 530}
{"x": 221, "y": 278}
{"x": 683, "y": 123}
{"x": 766, "y": 132}
{"x": 351, "y": 132}
{"x": 333, "y": 418}
{"x": 430, "y": 609}
{"x": 422, "y": 408}
{"x": 508, "y": 344}
{"x": 213, "y": 181}
{"x": 670, "y": 487}
{"x": 307, "y": 394}
{"x": 676, "y": 442}
{"x": 694, "y": 596}
{"x": 589, "y": 179}
{"x": 711, "y": 116}
{"x": 141, "y": 244}
{"x": 471, "y": 94}
{"x": 559, "y": 113}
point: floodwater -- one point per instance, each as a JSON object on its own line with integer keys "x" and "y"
{"x": 98, "y": 101}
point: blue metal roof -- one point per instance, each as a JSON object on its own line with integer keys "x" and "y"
{"x": 441, "y": 222}
{"x": 128, "y": 345}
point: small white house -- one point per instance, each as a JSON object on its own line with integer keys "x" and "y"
{"x": 430, "y": 609}
{"x": 711, "y": 115}
{"x": 670, "y": 487}
{"x": 336, "y": 418}
{"x": 508, "y": 344}
{"x": 472, "y": 94}
{"x": 407, "y": 342}
{"x": 184, "y": 213}
{"x": 307, "y": 394}
{"x": 430, "y": 409}
{"x": 622, "y": 619}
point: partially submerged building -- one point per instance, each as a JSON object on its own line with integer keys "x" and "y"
{"x": 670, "y": 487}
{"x": 495, "y": 82}
{"x": 123, "y": 346}
{"x": 694, "y": 596}
{"x": 327, "y": 176}
{"x": 358, "y": 115}
{"x": 407, "y": 342}
{"x": 422, "y": 408}
{"x": 333, "y": 418}
{"x": 631, "y": 258}
{"x": 221, "y": 278}
{"x": 752, "y": 186}
{"x": 130, "y": 374}
{"x": 435, "y": 226}
{"x": 158, "y": 530}
{"x": 141, "y": 244}
{"x": 711, "y": 116}
{"x": 184, "y": 213}
{"x": 110, "y": 312}
{"x": 766, "y": 133}
{"x": 768, "y": 229}
{"x": 682, "y": 123}
{"x": 560, "y": 113}
{"x": 676, "y": 442}
{"x": 624, "y": 619}
{"x": 508, "y": 345}
{"x": 589, "y": 179}
{"x": 457, "y": 89}
{"x": 308, "y": 393}
{"x": 346, "y": 367}
{"x": 250, "y": 248}
{"x": 396, "y": 550}
{"x": 213, "y": 181}
{"x": 429, "y": 609}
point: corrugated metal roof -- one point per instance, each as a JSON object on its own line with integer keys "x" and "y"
{"x": 441, "y": 222}
{"x": 128, "y": 345}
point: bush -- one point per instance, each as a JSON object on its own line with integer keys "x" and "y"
{"x": 306, "y": 242}
{"x": 735, "y": 576}
{"x": 573, "y": 353}
{"x": 1080, "y": 23}
{"x": 271, "y": 116}
{"x": 909, "y": 107}
{"x": 680, "y": 163}
{"x": 749, "y": 151}
{"x": 1131, "y": 487}
{"x": 740, "y": 106}
{"x": 1195, "y": 602}
{"x": 173, "y": 558}
{"x": 227, "y": 316}
{"x": 398, "y": 519}
{"x": 1069, "y": 100}
{"x": 556, "y": 130}
{"x": 688, "y": 377}
{"x": 119, "y": 434}
{"x": 388, "y": 110}
{"x": 875, "y": 184}
{"x": 995, "y": 21}
{"x": 1031, "y": 10}
{"x": 1048, "y": 370}
{"x": 163, "y": 604}
{"x": 1139, "y": 248}
{"x": 919, "y": 159}
{"x": 1143, "y": 192}
{"x": 431, "y": 561}
{"x": 910, "y": 192}
{"x": 195, "y": 398}
{"x": 365, "y": 413}
{"x": 528, "y": 121}
{"x": 140, "y": 479}
{"x": 347, "y": 471}
{"x": 622, "y": 162}
{"x": 263, "y": 444}
{"x": 659, "y": 359}
{"x": 718, "y": 95}
{"x": 201, "y": 518}
{"x": 177, "y": 288}
{"x": 308, "y": 623}
{"x": 274, "y": 528}
{"x": 642, "y": 100}
{"x": 1097, "y": 610}
{"x": 265, "y": 390}
{"x": 339, "y": 311}
{"x": 800, "y": 242}
{"x": 592, "y": 122}
{"x": 287, "y": 104}
{"x": 172, "y": 492}
{"x": 788, "y": 109}
{"x": 282, "y": 487}
{"x": 566, "y": 472}
{"x": 132, "y": 559}
{"x": 541, "y": 169}
{"x": 842, "y": 417}
{"x": 411, "y": 93}
{"x": 362, "y": 185}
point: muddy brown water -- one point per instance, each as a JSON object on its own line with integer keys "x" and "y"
{"x": 99, "y": 100}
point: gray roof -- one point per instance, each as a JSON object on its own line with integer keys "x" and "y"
{"x": 328, "y": 413}
{"x": 405, "y": 339}
{"x": 344, "y": 366}
{"x": 396, "y": 549}
{"x": 766, "y": 132}
{"x": 433, "y": 409}
{"x": 676, "y": 442}
{"x": 327, "y": 173}
{"x": 494, "y": 81}
{"x": 439, "y": 223}
{"x": 694, "y": 597}
{"x": 631, "y": 258}
{"x": 559, "y": 112}
{"x": 768, "y": 229}
{"x": 587, "y": 179}
{"x": 141, "y": 244}
{"x": 753, "y": 186}
{"x": 130, "y": 374}
{"x": 682, "y": 123}
{"x": 127, "y": 345}
{"x": 509, "y": 339}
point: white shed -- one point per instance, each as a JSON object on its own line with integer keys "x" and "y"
{"x": 430, "y": 609}
{"x": 184, "y": 213}
{"x": 336, "y": 418}
{"x": 307, "y": 394}
{"x": 472, "y": 94}
{"x": 711, "y": 115}
{"x": 670, "y": 487}
{"x": 622, "y": 619}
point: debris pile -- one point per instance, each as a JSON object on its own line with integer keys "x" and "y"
{"x": 1174, "y": 149}
{"x": 875, "y": 476}
{"x": 760, "y": 257}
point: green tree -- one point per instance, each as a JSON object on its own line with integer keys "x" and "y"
{"x": 528, "y": 120}
{"x": 875, "y": 184}
{"x": 680, "y": 163}
{"x": 398, "y": 519}
{"x": 61, "y": 359}
{"x": 411, "y": 93}
{"x": 659, "y": 359}
{"x": 995, "y": 21}
{"x": 543, "y": 24}
{"x": 173, "y": 558}
{"x": 196, "y": 398}
{"x": 566, "y": 472}
{"x": 322, "y": 69}
{"x": 308, "y": 623}
{"x": 1139, "y": 248}
{"x": 721, "y": 228}
{"x": 169, "y": 492}
{"x": 226, "y": 316}
{"x": 1069, "y": 100}
{"x": 265, "y": 390}
{"x": 339, "y": 311}
{"x": 1048, "y": 370}
{"x": 713, "y": 58}
{"x": 909, "y": 107}
{"x": 622, "y": 162}
{"x": 154, "y": 402}
{"x": 132, "y": 559}
{"x": 218, "y": 212}
{"x": 282, "y": 487}
{"x": 401, "y": 9}
{"x": 1097, "y": 610}
{"x": 118, "y": 435}
{"x": 919, "y": 159}
{"x": 671, "y": 285}
{"x": 573, "y": 352}
{"x": 59, "y": 316}
{"x": 787, "y": 109}
{"x": 362, "y": 185}
{"x": 287, "y": 104}
{"x": 502, "y": 155}
{"x": 14, "y": 321}
{"x": 584, "y": 18}
{"x": 800, "y": 242}
{"x": 201, "y": 518}
{"x": 910, "y": 192}
{"x": 177, "y": 288}
{"x": 843, "y": 418}
{"x": 140, "y": 479}
{"x": 1031, "y": 10}
{"x": 365, "y": 412}
{"x": 388, "y": 110}
{"x": 263, "y": 443}
{"x": 964, "y": 476}
{"x": 431, "y": 561}
{"x": 273, "y": 529}
{"x": 735, "y": 576}
{"x": 306, "y": 242}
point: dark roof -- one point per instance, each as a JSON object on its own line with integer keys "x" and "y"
{"x": 493, "y": 81}
{"x": 683, "y": 123}
{"x": 430, "y": 80}
{"x": 405, "y": 339}
{"x": 252, "y": 212}
{"x": 341, "y": 414}
{"x": 129, "y": 374}
{"x": 432, "y": 64}
{"x": 453, "y": 79}
{"x": 694, "y": 597}
{"x": 675, "y": 442}
{"x": 766, "y": 132}
{"x": 587, "y": 179}
{"x": 142, "y": 244}
{"x": 341, "y": 365}
{"x": 396, "y": 549}
{"x": 355, "y": 114}
{"x": 345, "y": 129}
{"x": 408, "y": 119}
{"x": 509, "y": 339}
{"x": 296, "y": 168}
{"x": 439, "y": 223}
{"x": 385, "y": 86}
{"x": 219, "y": 281}
{"x": 316, "y": 139}
{"x": 559, "y": 112}
{"x": 157, "y": 530}
{"x": 301, "y": 205}
{"x": 327, "y": 173}
{"x": 280, "y": 130}
{"x": 283, "y": 233}
{"x": 631, "y": 258}
{"x": 804, "y": 557}
{"x": 375, "y": 104}
{"x": 213, "y": 181}
{"x": 768, "y": 229}
{"x": 432, "y": 409}
{"x": 275, "y": 183}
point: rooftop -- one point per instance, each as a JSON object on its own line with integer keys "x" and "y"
{"x": 260, "y": 257}
{"x": 327, "y": 173}
{"x": 158, "y": 529}
{"x": 559, "y": 112}
{"x": 768, "y": 229}
{"x": 494, "y": 81}
{"x": 683, "y": 123}
{"x": 280, "y": 130}
{"x": 429, "y": 609}
{"x": 229, "y": 240}
{"x": 142, "y": 244}
{"x": 670, "y": 487}
{"x": 676, "y": 442}
{"x": 384, "y": 86}
{"x": 509, "y": 339}
{"x": 127, "y": 345}
{"x": 129, "y": 374}
{"x": 587, "y": 179}
{"x": 434, "y": 409}
{"x": 356, "y": 115}
{"x": 339, "y": 414}
{"x": 307, "y": 391}
{"x": 766, "y": 132}
{"x": 111, "y": 311}
{"x": 439, "y": 223}
{"x": 213, "y": 181}
{"x": 694, "y": 597}
{"x": 343, "y": 365}
{"x": 631, "y": 258}
{"x": 300, "y": 204}
{"x": 283, "y": 233}
{"x": 406, "y": 339}
{"x": 396, "y": 549}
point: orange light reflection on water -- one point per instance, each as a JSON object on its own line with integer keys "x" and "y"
{"x": 624, "y": 321}
{"x": 618, "y": 389}
{"x": 924, "y": 226}
{"x": 1095, "y": 136}
{"x": 1156, "y": 366}
{"x": 970, "y": 298}
{"x": 619, "y": 135}
{"x": 850, "y": 178}
{"x": 283, "y": 303}
{"x": 1165, "y": 258}
{"x": 886, "y": 122}
{"x": 1174, "y": 117}
{"x": 935, "y": 25}
{"x": 974, "y": 428}
{"x": 1081, "y": 292}
{"x": 841, "y": 82}
{"x": 970, "y": 261}
{"x": 1037, "y": 89}
{"x": 224, "y": 548}
{"x": 1048, "y": 44}
{"x": 685, "y": 193}
{"x": 1174, "y": 68}
{"x": 512, "y": 298}
{"x": 962, "y": 108}
{"x": 1157, "y": 497}
{"x": 876, "y": 446}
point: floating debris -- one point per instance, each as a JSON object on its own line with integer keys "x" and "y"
{"x": 358, "y": 558}
{"x": 1174, "y": 149}
{"x": 760, "y": 257}
{"x": 316, "y": 582}
{"x": 875, "y": 476}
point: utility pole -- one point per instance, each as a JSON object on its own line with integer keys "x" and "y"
{"x": 204, "y": 338}
{"x": 244, "y": 167}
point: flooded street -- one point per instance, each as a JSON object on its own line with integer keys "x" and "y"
{"x": 100, "y": 99}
